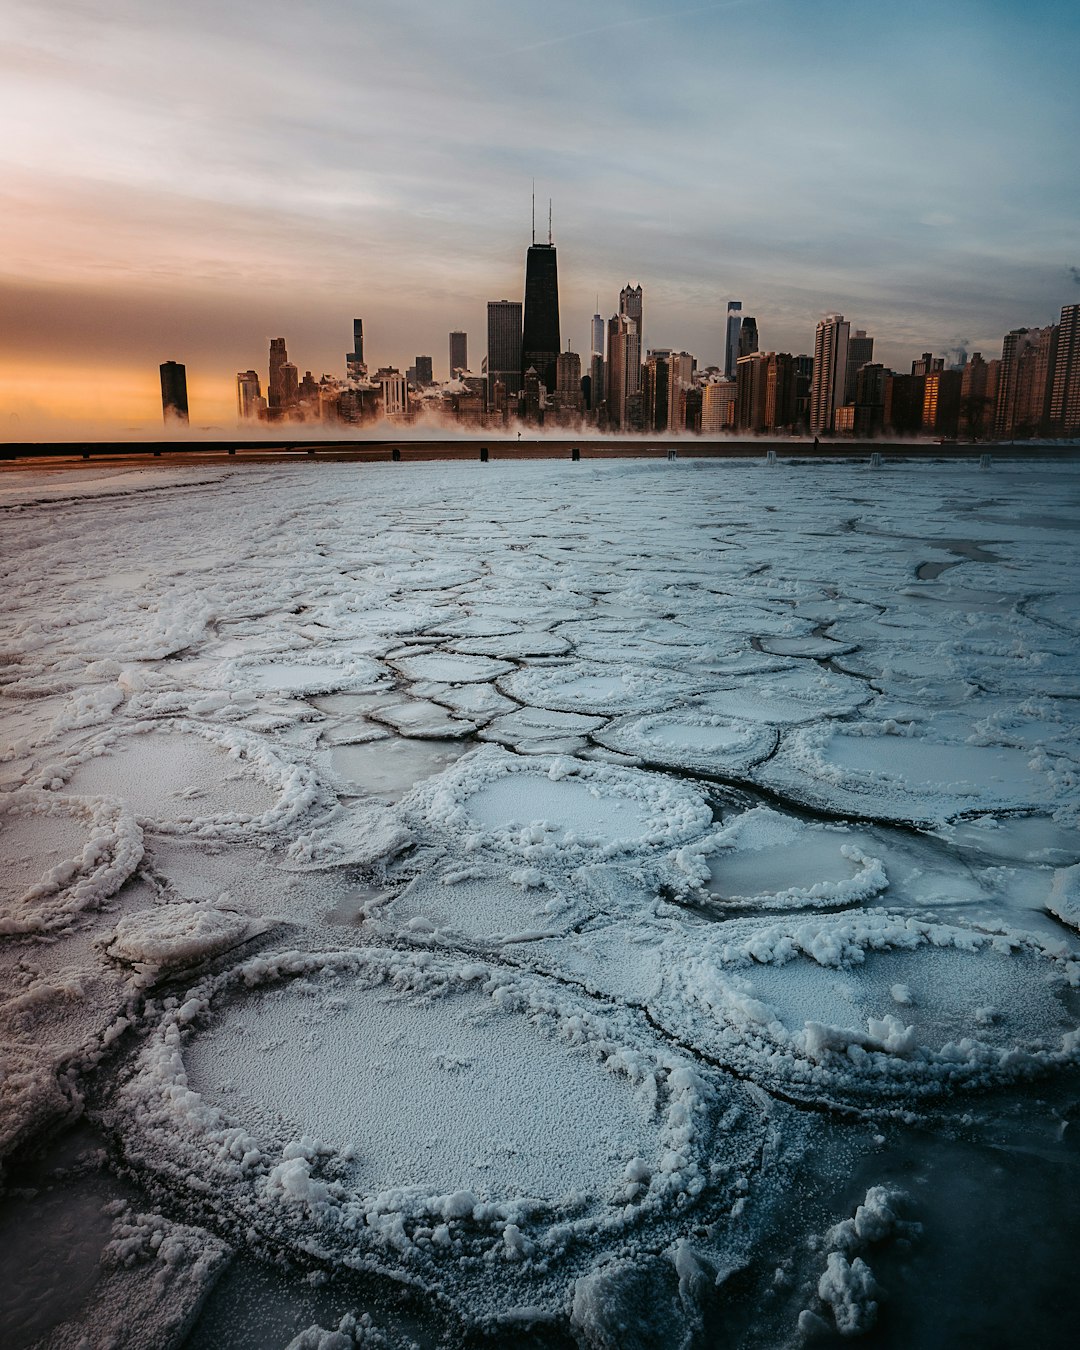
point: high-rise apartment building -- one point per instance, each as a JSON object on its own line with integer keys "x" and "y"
{"x": 504, "y": 346}
{"x": 717, "y": 406}
{"x": 459, "y": 352}
{"x": 250, "y": 404}
{"x": 1036, "y": 369}
{"x": 665, "y": 377}
{"x": 1026, "y": 382}
{"x": 765, "y": 392}
{"x": 1065, "y": 388}
{"x": 978, "y": 393}
{"x": 540, "y": 342}
{"x": 174, "y": 404}
{"x": 355, "y": 368}
{"x": 424, "y": 373}
{"x": 731, "y": 343}
{"x": 941, "y": 403}
{"x": 830, "y": 372}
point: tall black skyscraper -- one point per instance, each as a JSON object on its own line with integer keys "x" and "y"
{"x": 354, "y": 360}
{"x": 540, "y": 330}
{"x": 174, "y": 392}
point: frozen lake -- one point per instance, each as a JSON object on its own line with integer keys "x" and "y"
{"x": 622, "y": 904}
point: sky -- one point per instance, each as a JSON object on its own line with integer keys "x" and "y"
{"x": 187, "y": 181}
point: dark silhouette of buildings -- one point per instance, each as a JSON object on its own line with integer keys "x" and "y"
{"x": 765, "y": 391}
{"x": 275, "y": 386}
{"x": 860, "y": 351}
{"x": 731, "y": 339}
{"x": 174, "y": 404}
{"x": 504, "y": 347}
{"x": 459, "y": 352}
{"x": 354, "y": 360}
{"x": 748, "y": 336}
{"x": 978, "y": 396}
{"x": 540, "y": 330}
{"x": 423, "y": 368}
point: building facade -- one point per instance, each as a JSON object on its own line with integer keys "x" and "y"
{"x": 1065, "y": 387}
{"x": 623, "y": 382}
{"x": 250, "y": 404}
{"x": 504, "y": 346}
{"x": 830, "y": 373}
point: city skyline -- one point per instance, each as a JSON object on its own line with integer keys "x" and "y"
{"x": 186, "y": 188}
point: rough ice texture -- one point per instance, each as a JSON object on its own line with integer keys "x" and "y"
{"x": 188, "y": 777}
{"x": 691, "y": 739}
{"x": 270, "y": 673}
{"x": 483, "y": 1048}
{"x": 810, "y": 1004}
{"x": 156, "y": 1275}
{"x": 592, "y": 687}
{"x": 556, "y": 812}
{"x": 108, "y": 846}
{"x": 178, "y": 935}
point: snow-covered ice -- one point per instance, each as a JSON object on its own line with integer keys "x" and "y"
{"x": 615, "y": 905}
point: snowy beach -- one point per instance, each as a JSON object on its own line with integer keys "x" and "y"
{"x": 602, "y": 904}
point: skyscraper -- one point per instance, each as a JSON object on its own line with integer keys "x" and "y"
{"x": 748, "y": 336}
{"x": 174, "y": 406}
{"x": 597, "y": 348}
{"x": 717, "y": 406}
{"x": 1026, "y": 381}
{"x": 830, "y": 372}
{"x": 504, "y": 346}
{"x": 354, "y": 360}
{"x": 659, "y": 396}
{"x": 423, "y": 370}
{"x": 860, "y": 351}
{"x": 459, "y": 352}
{"x": 623, "y": 369}
{"x": 568, "y": 395}
{"x": 274, "y": 389}
{"x": 290, "y": 385}
{"x": 1065, "y": 391}
{"x": 540, "y": 330}
{"x": 250, "y": 403}
{"x": 731, "y": 346}
{"x": 630, "y": 305}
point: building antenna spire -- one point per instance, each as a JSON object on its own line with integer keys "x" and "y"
{"x": 534, "y": 210}
{"x": 549, "y": 220}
